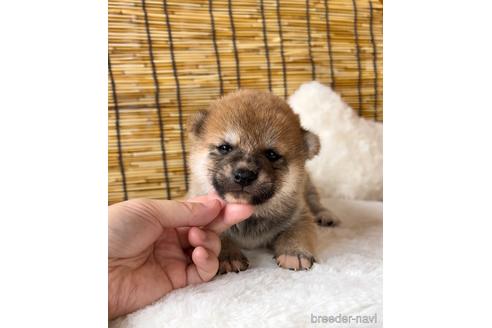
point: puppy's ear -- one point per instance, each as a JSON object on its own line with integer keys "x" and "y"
{"x": 195, "y": 123}
{"x": 311, "y": 143}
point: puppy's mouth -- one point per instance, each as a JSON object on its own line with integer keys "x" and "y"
{"x": 239, "y": 197}
{"x": 253, "y": 195}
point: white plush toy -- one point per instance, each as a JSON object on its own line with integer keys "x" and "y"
{"x": 350, "y": 162}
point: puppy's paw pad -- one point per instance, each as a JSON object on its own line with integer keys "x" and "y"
{"x": 295, "y": 261}
{"x": 233, "y": 265}
{"x": 326, "y": 219}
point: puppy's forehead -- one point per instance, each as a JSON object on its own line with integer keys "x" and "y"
{"x": 230, "y": 135}
{"x": 249, "y": 139}
{"x": 253, "y": 119}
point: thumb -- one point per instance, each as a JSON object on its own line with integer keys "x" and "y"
{"x": 173, "y": 214}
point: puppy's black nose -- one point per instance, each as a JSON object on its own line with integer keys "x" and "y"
{"x": 244, "y": 177}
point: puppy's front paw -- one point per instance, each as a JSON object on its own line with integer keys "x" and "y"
{"x": 232, "y": 263}
{"x": 296, "y": 261}
{"x": 326, "y": 218}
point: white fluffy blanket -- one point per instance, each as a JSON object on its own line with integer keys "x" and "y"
{"x": 346, "y": 281}
{"x": 350, "y": 163}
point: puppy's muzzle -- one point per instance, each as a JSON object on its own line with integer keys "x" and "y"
{"x": 244, "y": 177}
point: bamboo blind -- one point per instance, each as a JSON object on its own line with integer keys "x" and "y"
{"x": 168, "y": 59}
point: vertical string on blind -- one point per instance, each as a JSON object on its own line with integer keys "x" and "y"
{"x": 157, "y": 100}
{"x": 374, "y": 61}
{"x": 216, "y": 48}
{"x": 118, "y": 132}
{"x": 328, "y": 41}
{"x": 311, "y": 60}
{"x": 236, "y": 55}
{"x": 178, "y": 93}
{"x": 265, "y": 42}
{"x": 357, "y": 54}
{"x": 282, "y": 54}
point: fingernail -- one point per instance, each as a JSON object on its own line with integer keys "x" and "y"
{"x": 202, "y": 234}
{"x": 206, "y": 254}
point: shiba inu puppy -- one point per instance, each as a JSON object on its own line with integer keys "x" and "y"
{"x": 249, "y": 147}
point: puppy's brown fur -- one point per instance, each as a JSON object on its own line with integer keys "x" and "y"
{"x": 249, "y": 147}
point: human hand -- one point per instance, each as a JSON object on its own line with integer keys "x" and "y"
{"x": 156, "y": 246}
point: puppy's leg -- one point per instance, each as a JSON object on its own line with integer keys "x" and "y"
{"x": 322, "y": 215}
{"x": 231, "y": 259}
{"x": 294, "y": 248}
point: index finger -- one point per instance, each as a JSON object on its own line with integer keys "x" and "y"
{"x": 230, "y": 215}
{"x": 197, "y": 212}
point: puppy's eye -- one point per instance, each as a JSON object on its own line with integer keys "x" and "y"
{"x": 272, "y": 155}
{"x": 224, "y": 149}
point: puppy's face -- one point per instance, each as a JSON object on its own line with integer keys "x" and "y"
{"x": 249, "y": 147}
